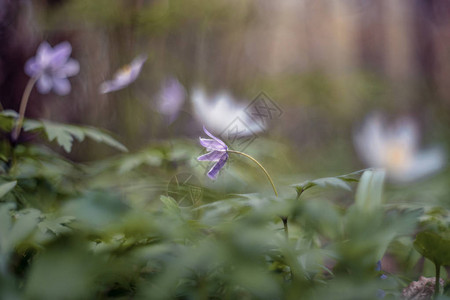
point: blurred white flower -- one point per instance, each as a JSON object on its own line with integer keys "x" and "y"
{"x": 395, "y": 148}
{"x": 124, "y": 77}
{"x": 220, "y": 111}
{"x": 171, "y": 99}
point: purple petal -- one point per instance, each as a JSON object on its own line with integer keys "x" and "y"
{"x": 70, "y": 68}
{"x": 212, "y": 144}
{"x": 212, "y": 136}
{"x": 32, "y": 67}
{"x": 61, "y": 86}
{"x": 61, "y": 53}
{"x": 212, "y": 156}
{"x": 44, "y": 84}
{"x": 171, "y": 99}
{"x": 217, "y": 166}
{"x": 44, "y": 54}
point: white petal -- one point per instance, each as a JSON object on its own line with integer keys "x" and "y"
{"x": 405, "y": 131}
{"x": 370, "y": 142}
{"x": 218, "y": 113}
{"x": 425, "y": 163}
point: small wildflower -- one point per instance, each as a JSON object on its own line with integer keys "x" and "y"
{"x": 217, "y": 153}
{"x": 395, "y": 149}
{"x": 124, "y": 76}
{"x": 51, "y": 67}
{"x": 220, "y": 111}
{"x": 171, "y": 99}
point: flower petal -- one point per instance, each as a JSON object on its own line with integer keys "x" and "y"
{"x": 44, "y": 54}
{"x": 370, "y": 141}
{"x": 425, "y": 163}
{"x": 136, "y": 66}
{"x": 171, "y": 99}
{"x": 406, "y": 132}
{"x": 217, "y": 166}
{"x": 212, "y": 156}
{"x": 110, "y": 86}
{"x": 61, "y": 86}
{"x": 32, "y": 67}
{"x": 44, "y": 84}
{"x": 215, "y": 138}
{"x": 61, "y": 53}
{"x": 70, "y": 68}
{"x": 212, "y": 144}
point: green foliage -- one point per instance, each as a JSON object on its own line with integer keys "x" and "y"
{"x": 341, "y": 182}
{"x": 148, "y": 224}
{"x": 6, "y": 187}
{"x": 65, "y": 134}
{"x": 369, "y": 195}
{"x": 434, "y": 246}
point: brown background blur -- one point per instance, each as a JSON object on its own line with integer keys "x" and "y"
{"x": 326, "y": 62}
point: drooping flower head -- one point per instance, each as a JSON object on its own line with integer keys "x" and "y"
{"x": 217, "y": 152}
{"x": 51, "y": 67}
{"x": 395, "y": 148}
{"x": 171, "y": 99}
{"x": 218, "y": 112}
{"x": 125, "y": 76}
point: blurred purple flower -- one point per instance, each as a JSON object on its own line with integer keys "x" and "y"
{"x": 217, "y": 153}
{"x": 125, "y": 76}
{"x": 51, "y": 67}
{"x": 378, "y": 267}
{"x": 395, "y": 148}
{"x": 171, "y": 99}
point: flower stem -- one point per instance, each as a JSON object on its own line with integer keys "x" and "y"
{"x": 23, "y": 107}
{"x": 283, "y": 218}
{"x": 437, "y": 283}
{"x": 259, "y": 165}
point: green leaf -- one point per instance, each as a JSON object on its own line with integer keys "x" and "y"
{"x": 15, "y": 227}
{"x": 101, "y": 137}
{"x": 65, "y": 134}
{"x": 56, "y": 225}
{"x": 6, "y": 187}
{"x": 171, "y": 205}
{"x": 151, "y": 157}
{"x": 434, "y": 246}
{"x": 370, "y": 190}
{"x": 7, "y": 118}
{"x": 340, "y": 181}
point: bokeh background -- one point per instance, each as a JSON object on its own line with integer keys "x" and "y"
{"x": 326, "y": 63}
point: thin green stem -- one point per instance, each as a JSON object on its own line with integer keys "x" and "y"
{"x": 437, "y": 283}
{"x": 259, "y": 165}
{"x": 23, "y": 106}
{"x": 283, "y": 218}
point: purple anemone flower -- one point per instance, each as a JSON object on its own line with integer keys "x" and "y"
{"x": 51, "y": 67}
{"x": 125, "y": 76}
{"x": 171, "y": 99}
{"x": 217, "y": 153}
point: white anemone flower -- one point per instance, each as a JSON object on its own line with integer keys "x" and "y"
{"x": 395, "y": 149}
{"x": 220, "y": 111}
{"x": 124, "y": 77}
